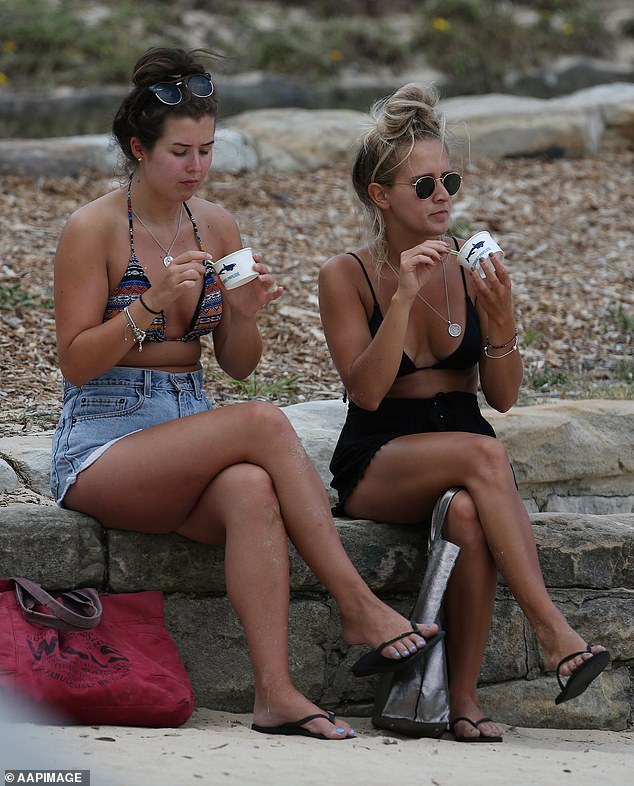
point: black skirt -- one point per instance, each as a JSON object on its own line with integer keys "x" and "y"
{"x": 364, "y": 432}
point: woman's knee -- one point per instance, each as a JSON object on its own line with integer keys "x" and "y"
{"x": 266, "y": 421}
{"x": 250, "y": 489}
{"x": 489, "y": 458}
{"x": 463, "y": 526}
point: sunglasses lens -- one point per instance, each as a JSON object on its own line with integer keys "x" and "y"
{"x": 425, "y": 187}
{"x": 167, "y": 93}
{"x": 452, "y": 183}
{"x": 200, "y": 85}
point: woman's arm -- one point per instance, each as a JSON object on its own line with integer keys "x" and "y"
{"x": 501, "y": 369}
{"x": 237, "y": 340}
{"x": 86, "y": 346}
{"x": 366, "y": 365}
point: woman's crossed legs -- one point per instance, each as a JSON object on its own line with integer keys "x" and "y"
{"x": 489, "y": 522}
{"x": 239, "y": 476}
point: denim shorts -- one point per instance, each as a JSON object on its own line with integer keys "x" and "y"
{"x": 120, "y": 402}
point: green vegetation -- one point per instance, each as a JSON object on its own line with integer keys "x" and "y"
{"x": 253, "y": 388}
{"x": 481, "y": 42}
{"x": 530, "y": 336}
{"x": 545, "y": 378}
{"x": 12, "y": 296}
{"x": 46, "y": 43}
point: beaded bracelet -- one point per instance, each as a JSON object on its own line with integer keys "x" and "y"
{"x": 505, "y": 344}
{"x": 139, "y": 335}
{"x": 488, "y": 346}
{"x": 146, "y": 307}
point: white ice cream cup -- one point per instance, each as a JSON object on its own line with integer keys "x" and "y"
{"x": 477, "y": 247}
{"x": 236, "y": 269}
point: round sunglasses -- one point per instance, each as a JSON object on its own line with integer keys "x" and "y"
{"x": 426, "y": 185}
{"x": 170, "y": 93}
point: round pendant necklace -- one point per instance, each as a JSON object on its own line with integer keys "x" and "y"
{"x": 168, "y": 258}
{"x": 453, "y": 328}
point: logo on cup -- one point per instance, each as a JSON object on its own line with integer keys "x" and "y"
{"x": 478, "y": 247}
{"x": 236, "y": 269}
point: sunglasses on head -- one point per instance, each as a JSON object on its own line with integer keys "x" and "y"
{"x": 170, "y": 93}
{"x": 426, "y": 185}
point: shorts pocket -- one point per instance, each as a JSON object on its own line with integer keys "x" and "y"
{"x": 91, "y": 407}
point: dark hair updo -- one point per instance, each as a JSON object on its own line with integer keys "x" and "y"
{"x": 141, "y": 114}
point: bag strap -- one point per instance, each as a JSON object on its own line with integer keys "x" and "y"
{"x": 439, "y": 513}
{"x": 79, "y": 609}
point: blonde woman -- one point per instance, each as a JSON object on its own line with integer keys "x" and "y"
{"x": 413, "y": 336}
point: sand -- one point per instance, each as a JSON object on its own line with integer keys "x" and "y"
{"x": 219, "y": 748}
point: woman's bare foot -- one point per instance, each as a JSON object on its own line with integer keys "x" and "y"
{"x": 376, "y": 622}
{"x": 289, "y": 706}
{"x": 556, "y": 648}
{"x": 469, "y": 708}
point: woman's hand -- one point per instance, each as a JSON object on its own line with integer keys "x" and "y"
{"x": 417, "y": 264}
{"x": 184, "y": 272}
{"x": 248, "y": 299}
{"x": 494, "y": 290}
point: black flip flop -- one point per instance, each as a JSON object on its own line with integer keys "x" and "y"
{"x": 296, "y": 728}
{"x": 375, "y": 663}
{"x": 583, "y": 675}
{"x": 476, "y": 725}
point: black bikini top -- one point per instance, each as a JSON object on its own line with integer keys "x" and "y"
{"x": 465, "y": 356}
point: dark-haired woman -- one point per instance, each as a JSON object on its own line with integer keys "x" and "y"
{"x": 139, "y": 446}
{"x": 413, "y": 336}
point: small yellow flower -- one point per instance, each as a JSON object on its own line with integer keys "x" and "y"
{"x": 3, "y": 79}
{"x": 9, "y": 47}
{"x": 568, "y": 28}
{"x": 335, "y": 55}
{"x": 441, "y": 24}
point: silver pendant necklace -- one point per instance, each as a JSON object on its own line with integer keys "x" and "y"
{"x": 453, "y": 328}
{"x": 168, "y": 258}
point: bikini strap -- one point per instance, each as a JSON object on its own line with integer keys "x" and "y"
{"x": 367, "y": 277}
{"x": 195, "y": 225}
{"x": 464, "y": 280}
{"x": 130, "y": 221}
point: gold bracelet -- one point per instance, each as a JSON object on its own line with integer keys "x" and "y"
{"x": 508, "y": 352}
{"x": 139, "y": 335}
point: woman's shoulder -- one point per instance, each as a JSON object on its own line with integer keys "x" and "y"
{"x": 346, "y": 261}
{"x": 205, "y": 209}
{"x": 349, "y": 266}
{"x": 98, "y": 217}
{"x": 99, "y": 212}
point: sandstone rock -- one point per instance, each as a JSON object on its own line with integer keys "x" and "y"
{"x": 587, "y": 561}
{"x": 296, "y": 140}
{"x": 59, "y": 548}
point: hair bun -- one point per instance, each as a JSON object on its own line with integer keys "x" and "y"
{"x": 411, "y": 109}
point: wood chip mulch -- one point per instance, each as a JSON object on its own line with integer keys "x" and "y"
{"x": 567, "y": 228}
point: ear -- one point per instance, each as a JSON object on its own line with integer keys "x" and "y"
{"x": 379, "y": 195}
{"x": 136, "y": 148}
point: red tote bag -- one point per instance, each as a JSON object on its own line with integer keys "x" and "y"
{"x": 90, "y": 658}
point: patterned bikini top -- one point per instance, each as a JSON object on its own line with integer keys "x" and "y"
{"x": 134, "y": 283}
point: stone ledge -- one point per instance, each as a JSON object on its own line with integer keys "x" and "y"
{"x": 581, "y": 555}
{"x": 588, "y": 563}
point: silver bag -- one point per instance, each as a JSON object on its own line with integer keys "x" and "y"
{"x": 415, "y": 700}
